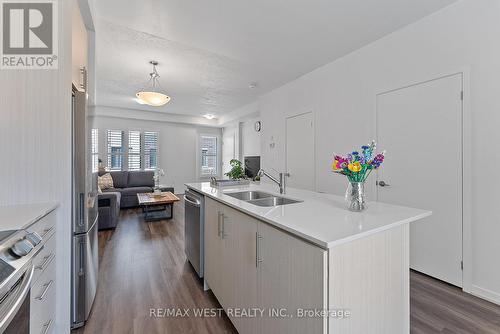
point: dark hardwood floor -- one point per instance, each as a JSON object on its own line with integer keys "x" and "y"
{"x": 143, "y": 266}
{"x": 437, "y": 307}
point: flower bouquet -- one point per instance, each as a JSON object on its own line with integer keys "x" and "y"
{"x": 357, "y": 167}
{"x": 156, "y": 177}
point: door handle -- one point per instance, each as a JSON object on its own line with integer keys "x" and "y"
{"x": 218, "y": 224}
{"x": 258, "y": 259}
{"x": 223, "y": 224}
{"x": 47, "y": 287}
{"x": 82, "y": 209}
{"x": 191, "y": 201}
{"x": 46, "y": 327}
{"x": 46, "y": 260}
{"x": 382, "y": 184}
{"x": 81, "y": 271}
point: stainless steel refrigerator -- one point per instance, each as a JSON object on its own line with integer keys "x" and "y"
{"x": 84, "y": 196}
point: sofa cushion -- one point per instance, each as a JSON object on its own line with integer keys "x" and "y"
{"x": 120, "y": 179}
{"x": 105, "y": 181}
{"x": 133, "y": 191}
{"x": 112, "y": 190}
{"x": 141, "y": 179}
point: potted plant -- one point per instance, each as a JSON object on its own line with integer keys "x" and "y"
{"x": 357, "y": 167}
{"x": 237, "y": 171}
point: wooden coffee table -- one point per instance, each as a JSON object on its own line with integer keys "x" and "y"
{"x": 157, "y": 207}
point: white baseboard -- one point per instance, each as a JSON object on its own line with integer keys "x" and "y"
{"x": 486, "y": 294}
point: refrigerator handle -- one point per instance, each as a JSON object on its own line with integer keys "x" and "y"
{"x": 81, "y": 271}
{"x": 82, "y": 209}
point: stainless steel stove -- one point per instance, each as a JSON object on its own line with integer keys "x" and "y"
{"x": 17, "y": 249}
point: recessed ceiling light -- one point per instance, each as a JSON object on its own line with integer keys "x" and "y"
{"x": 209, "y": 116}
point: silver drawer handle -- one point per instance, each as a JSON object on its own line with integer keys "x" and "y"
{"x": 218, "y": 223}
{"x": 223, "y": 226}
{"x": 46, "y": 327}
{"x": 45, "y": 262}
{"x": 258, "y": 259}
{"x": 47, "y": 231}
{"x": 47, "y": 287}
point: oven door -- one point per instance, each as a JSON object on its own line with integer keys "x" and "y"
{"x": 15, "y": 308}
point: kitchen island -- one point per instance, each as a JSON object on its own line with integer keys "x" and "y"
{"x": 310, "y": 266}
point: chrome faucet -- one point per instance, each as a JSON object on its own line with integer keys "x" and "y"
{"x": 281, "y": 182}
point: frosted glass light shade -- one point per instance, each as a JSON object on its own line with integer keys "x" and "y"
{"x": 154, "y": 99}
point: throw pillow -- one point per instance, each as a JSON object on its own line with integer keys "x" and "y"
{"x": 105, "y": 181}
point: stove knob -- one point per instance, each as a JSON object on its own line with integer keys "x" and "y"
{"x": 22, "y": 247}
{"x": 34, "y": 238}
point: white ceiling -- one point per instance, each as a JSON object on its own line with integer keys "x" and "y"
{"x": 210, "y": 51}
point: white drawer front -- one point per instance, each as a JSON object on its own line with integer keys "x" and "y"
{"x": 46, "y": 226}
{"x": 43, "y": 259}
{"x": 43, "y": 301}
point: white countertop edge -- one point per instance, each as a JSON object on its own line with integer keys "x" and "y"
{"x": 51, "y": 206}
{"x": 40, "y": 210}
{"x": 378, "y": 230}
{"x": 315, "y": 241}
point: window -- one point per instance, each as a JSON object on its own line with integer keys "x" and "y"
{"x": 150, "y": 150}
{"x": 95, "y": 150}
{"x": 115, "y": 150}
{"x": 209, "y": 160}
{"x": 141, "y": 153}
{"x": 134, "y": 150}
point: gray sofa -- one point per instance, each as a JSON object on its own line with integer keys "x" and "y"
{"x": 124, "y": 194}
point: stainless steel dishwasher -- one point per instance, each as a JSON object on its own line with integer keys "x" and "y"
{"x": 194, "y": 225}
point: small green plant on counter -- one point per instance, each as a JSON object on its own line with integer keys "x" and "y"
{"x": 237, "y": 172}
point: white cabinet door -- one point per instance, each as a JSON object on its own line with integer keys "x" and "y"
{"x": 213, "y": 247}
{"x": 292, "y": 276}
{"x": 239, "y": 268}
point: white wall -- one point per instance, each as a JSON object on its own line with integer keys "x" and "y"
{"x": 250, "y": 139}
{"x": 231, "y": 144}
{"x": 79, "y": 46}
{"x": 177, "y": 146}
{"x": 35, "y": 146}
{"x": 342, "y": 94}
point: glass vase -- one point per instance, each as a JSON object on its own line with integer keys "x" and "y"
{"x": 355, "y": 196}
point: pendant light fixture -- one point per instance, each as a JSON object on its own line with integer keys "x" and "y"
{"x": 152, "y": 95}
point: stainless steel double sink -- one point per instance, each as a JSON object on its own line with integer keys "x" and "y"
{"x": 261, "y": 198}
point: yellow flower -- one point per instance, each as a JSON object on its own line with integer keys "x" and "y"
{"x": 334, "y": 165}
{"x": 354, "y": 167}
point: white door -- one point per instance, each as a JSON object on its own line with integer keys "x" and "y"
{"x": 421, "y": 129}
{"x": 300, "y": 151}
{"x": 228, "y": 149}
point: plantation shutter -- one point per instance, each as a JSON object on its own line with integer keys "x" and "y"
{"x": 208, "y": 155}
{"x": 134, "y": 150}
{"x": 150, "y": 150}
{"x": 115, "y": 149}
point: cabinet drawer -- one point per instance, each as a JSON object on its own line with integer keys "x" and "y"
{"x": 45, "y": 227}
{"x": 45, "y": 257}
{"x": 43, "y": 301}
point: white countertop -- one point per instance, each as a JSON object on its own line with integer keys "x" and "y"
{"x": 16, "y": 217}
{"x": 322, "y": 219}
